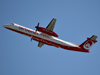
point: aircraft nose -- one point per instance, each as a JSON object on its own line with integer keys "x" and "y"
{"x": 8, "y": 25}
{"x": 5, "y": 26}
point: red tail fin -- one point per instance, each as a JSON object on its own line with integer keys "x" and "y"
{"x": 89, "y": 43}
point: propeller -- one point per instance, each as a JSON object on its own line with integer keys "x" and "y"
{"x": 37, "y": 27}
{"x": 36, "y": 30}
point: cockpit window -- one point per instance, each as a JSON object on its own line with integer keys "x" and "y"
{"x": 12, "y": 23}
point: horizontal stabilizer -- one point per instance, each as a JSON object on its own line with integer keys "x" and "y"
{"x": 94, "y": 37}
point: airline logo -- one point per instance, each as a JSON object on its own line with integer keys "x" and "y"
{"x": 27, "y": 30}
{"x": 88, "y": 44}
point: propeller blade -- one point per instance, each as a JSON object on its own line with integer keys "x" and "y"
{"x": 38, "y": 24}
{"x": 37, "y": 27}
{"x": 31, "y": 38}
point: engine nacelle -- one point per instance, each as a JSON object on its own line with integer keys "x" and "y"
{"x": 44, "y": 30}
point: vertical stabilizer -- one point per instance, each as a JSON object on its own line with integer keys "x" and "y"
{"x": 89, "y": 43}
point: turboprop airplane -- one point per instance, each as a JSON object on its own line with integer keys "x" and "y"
{"x": 48, "y": 36}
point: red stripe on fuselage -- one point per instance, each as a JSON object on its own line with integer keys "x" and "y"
{"x": 50, "y": 43}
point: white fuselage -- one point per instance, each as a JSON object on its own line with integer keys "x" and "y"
{"x": 39, "y": 36}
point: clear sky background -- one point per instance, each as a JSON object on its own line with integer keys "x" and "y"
{"x": 76, "y": 20}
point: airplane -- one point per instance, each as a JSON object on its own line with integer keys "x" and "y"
{"x": 49, "y": 37}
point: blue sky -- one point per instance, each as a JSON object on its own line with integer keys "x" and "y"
{"x": 76, "y": 20}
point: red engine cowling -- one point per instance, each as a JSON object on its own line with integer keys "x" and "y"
{"x": 44, "y": 30}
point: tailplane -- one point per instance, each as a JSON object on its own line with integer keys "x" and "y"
{"x": 89, "y": 43}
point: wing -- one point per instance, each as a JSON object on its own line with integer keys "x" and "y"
{"x": 51, "y": 25}
{"x": 40, "y": 44}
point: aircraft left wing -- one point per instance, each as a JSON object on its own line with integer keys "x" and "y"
{"x": 51, "y": 25}
{"x": 40, "y": 44}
